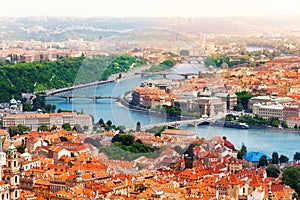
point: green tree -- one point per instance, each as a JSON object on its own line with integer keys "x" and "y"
{"x": 297, "y": 156}
{"x": 50, "y": 107}
{"x": 284, "y": 124}
{"x": 243, "y": 99}
{"x": 27, "y": 107}
{"x": 242, "y": 151}
{"x": 229, "y": 117}
{"x": 13, "y": 130}
{"x": 43, "y": 127}
{"x": 263, "y": 161}
{"x": 275, "y": 157}
{"x": 78, "y": 128}
{"x": 291, "y": 177}
{"x": 53, "y": 128}
{"x": 38, "y": 102}
{"x": 66, "y": 126}
{"x": 283, "y": 159}
{"x": 272, "y": 171}
{"x": 23, "y": 129}
{"x": 109, "y": 123}
{"x": 85, "y": 128}
{"x": 21, "y": 148}
{"x": 238, "y": 107}
{"x": 296, "y": 126}
{"x": 101, "y": 122}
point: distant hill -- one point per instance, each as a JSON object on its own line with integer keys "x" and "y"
{"x": 62, "y": 29}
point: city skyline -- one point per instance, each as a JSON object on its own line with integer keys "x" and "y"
{"x": 155, "y": 8}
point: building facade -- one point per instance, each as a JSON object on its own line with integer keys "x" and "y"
{"x": 34, "y": 120}
{"x": 211, "y": 106}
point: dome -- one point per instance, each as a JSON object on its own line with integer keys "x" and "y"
{"x": 12, "y": 149}
{"x": 13, "y": 101}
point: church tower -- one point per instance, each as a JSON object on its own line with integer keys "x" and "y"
{"x": 12, "y": 172}
{"x": 2, "y": 158}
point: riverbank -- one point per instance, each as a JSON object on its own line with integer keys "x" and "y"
{"x": 124, "y": 104}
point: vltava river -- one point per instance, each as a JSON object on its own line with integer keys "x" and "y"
{"x": 286, "y": 143}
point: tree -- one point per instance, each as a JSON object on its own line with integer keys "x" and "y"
{"x": 291, "y": 177}
{"x": 27, "y": 107}
{"x": 284, "y": 124}
{"x": 243, "y": 99}
{"x": 238, "y": 107}
{"x": 283, "y": 159}
{"x": 242, "y": 152}
{"x": 101, "y": 122}
{"x": 109, "y": 123}
{"x": 66, "y": 126}
{"x": 275, "y": 157}
{"x": 263, "y": 161}
{"x": 297, "y": 156}
{"x": 85, "y": 128}
{"x": 38, "y": 102}
{"x": 77, "y": 128}
{"x": 43, "y": 127}
{"x": 296, "y": 126}
{"x": 138, "y": 126}
{"x": 50, "y": 107}
{"x": 53, "y": 128}
{"x": 23, "y": 129}
{"x": 273, "y": 171}
{"x": 13, "y": 130}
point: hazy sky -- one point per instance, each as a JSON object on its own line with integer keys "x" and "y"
{"x": 149, "y": 8}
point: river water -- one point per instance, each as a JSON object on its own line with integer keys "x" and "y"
{"x": 286, "y": 143}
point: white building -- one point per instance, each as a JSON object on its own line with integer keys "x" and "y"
{"x": 267, "y": 111}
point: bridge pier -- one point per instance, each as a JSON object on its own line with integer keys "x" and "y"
{"x": 68, "y": 99}
{"x": 164, "y": 75}
{"x": 94, "y": 99}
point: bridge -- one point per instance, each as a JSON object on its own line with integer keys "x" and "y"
{"x": 190, "y": 59}
{"x": 176, "y": 124}
{"x": 54, "y": 92}
{"x": 164, "y": 74}
{"x": 94, "y": 98}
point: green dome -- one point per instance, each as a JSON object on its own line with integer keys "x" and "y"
{"x": 12, "y": 149}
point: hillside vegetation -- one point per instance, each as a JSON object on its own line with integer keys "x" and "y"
{"x": 41, "y": 75}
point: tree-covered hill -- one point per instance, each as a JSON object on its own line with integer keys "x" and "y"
{"x": 41, "y": 75}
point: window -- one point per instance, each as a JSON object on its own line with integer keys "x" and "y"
{"x": 16, "y": 194}
{"x": 15, "y": 163}
{"x": 16, "y": 179}
{"x": 8, "y": 163}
